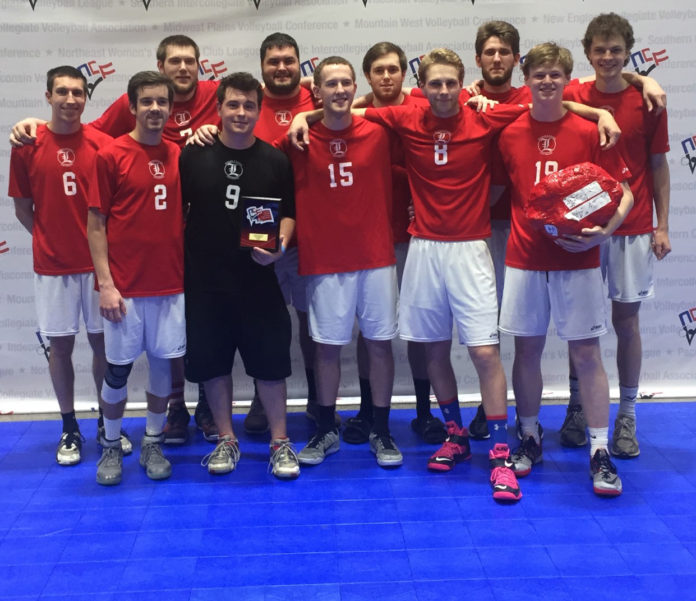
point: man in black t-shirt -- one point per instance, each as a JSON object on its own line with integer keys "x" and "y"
{"x": 233, "y": 300}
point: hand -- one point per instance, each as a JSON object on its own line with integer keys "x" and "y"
{"x": 475, "y": 87}
{"x": 298, "y": 133}
{"x": 112, "y": 307}
{"x": 205, "y": 135}
{"x": 264, "y": 257}
{"x": 609, "y": 130}
{"x": 661, "y": 246}
{"x": 411, "y": 211}
{"x": 654, "y": 96}
{"x": 587, "y": 239}
{"x": 24, "y": 132}
{"x": 481, "y": 103}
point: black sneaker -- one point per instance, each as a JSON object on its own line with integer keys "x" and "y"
{"x": 478, "y": 428}
{"x": 527, "y": 454}
{"x": 69, "y": 451}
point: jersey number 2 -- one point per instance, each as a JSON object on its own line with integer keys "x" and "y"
{"x": 160, "y": 197}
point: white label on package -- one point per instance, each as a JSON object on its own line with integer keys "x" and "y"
{"x": 589, "y": 207}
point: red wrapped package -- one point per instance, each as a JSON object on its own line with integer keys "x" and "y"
{"x": 579, "y": 196}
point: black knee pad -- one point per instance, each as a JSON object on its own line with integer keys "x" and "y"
{"x": 117, "y": 375}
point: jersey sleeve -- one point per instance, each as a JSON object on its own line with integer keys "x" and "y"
{"x": 20, "y": 184}
{"x": 502, "y": 115}
{"x": 101, "y": 188}
{"x": 388, "y": 116}
{"x": 659, "y": 143}
{"x": 117, "y": 119}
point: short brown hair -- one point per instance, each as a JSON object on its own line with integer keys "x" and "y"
{"x": 382, "y": 49}
{"x": 242, "y": 81}
{"x": 176, "y": 40}
{"x": 440, "y": 56}
{"x": 548, "y": 53}
{"x": 331, "y": 60}
{"x": 498, "y": 29}
{"x": 144, "y": 79}
{"x": 64, "y": 71}
{"x": 606, "y": 25}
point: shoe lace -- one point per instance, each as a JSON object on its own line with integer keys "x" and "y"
{"x": 603, "y": 464}
{"x": 386, "y": 442}
{"x": 503, "y": 476}
{"x": 317, "y": 440}
{"x": 623, "y": 428}
{"x": 74, "y": 439}
{"x": 225, "y": 449}
{"x": 449, "y": 449}
{"x": 110, "y": 455}
{"x": 284, "y": 453}
{"x": 153, "y": 452}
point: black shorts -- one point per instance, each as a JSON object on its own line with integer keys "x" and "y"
{"x": 218, "y": 324}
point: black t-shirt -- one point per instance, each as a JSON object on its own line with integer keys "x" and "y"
{"x": 213, "y": 180}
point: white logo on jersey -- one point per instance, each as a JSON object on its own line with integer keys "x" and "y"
{"x": 338, "y": 148}
{"x": 283, "y": 118}
{"x": 442, "y": 136}
{"x": 546, "y": 144}
{"x": 156, "y": 169}
{"x": 66, "y": 157}
{"x": 233, "y": 169}
{"x": 182, "y": 118}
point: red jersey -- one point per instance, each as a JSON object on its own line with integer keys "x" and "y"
{"x": 277, "y": 114}
{"x": 342, "y": 198}
{"x": 447, "y": 161}
{"x": 137, "y": 187}
{"x": 643, "y": 134}
{"x": 532, "y": 149}
{"x": 54, "y": 172}
{"x": 185, "y": 118}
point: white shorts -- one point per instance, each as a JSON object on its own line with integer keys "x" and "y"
{"x": 497, "y": 244}
{"x": 400, "y": 251}
{"x": 445, "y": 281}
{"x": 627, "y": 267}
{"x": 574, "y": 298}
{"x": 335, "y": 299}
{"x": 292, "y": 284}
{"x": 154, "y": 324}
{"x": 59, "y": 300}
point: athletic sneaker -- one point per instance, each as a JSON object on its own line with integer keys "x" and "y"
{"x": 205, "y": 422}
{"x": 526, "y": 455}
{"x": 574, "y": 428}
{"x": 605, "y": 480}
{"x": 224, "y": 458}
{"x": 176, "y": 429}
{"x": 70, "y": 448}
{"x": 385, "y": 450}
{"x": 157, "y": 466}
{"x": 430, "y": 429}
{"x": 503, "y": 480}
{"x": 478, "y": 428}
{"x": 518, "y": 428}
{"x": 110, "y": 466}
{"x": 357, "y": 429}
{"x": 319, "y": 446}
{"x": 126, "y": 444}
{"x": 623, "y": 440}
{"x": 256, "y": 421}
{"x": 456, "y": 448}
{"x": 284, "y": 463}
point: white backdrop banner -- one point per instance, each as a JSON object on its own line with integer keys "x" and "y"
{"x": 109, "y": 40}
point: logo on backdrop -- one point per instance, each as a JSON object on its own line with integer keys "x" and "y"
{"x": 146, "y": 4}
{"x": 308, "y": 66}
{"x": 689, "y": 148}
{"x": 413, "y": 64}
{"x": 95, "y": 74}
{"x": 645, "y": 60}
{"x": 3, "y": 247}
{"x": 32, "y": 3}
{"x": 210, "y": 69}
{"x": 688, "y": 323}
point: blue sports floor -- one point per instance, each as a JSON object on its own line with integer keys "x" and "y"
{"x": 347, "y": 529}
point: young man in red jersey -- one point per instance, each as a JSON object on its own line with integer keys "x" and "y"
{"x": 135, "y": 233}
{"x": 343, "y": 188}
{"x": 48, "y": 181}
{"x": 560, "y": 278}
{"x": 628, "y": 256}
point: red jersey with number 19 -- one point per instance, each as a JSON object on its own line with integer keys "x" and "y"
{"x": 342, "y": 198}
{"x": 447, "y": 161}
{"x": 54, "y": 172}
{"x": 137, "y": 187}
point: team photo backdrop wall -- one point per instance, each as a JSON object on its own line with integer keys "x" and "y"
{"x": 109, "y": 40}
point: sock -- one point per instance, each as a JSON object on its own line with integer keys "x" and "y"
{"x": 627, "y": 402}
{"x": 599, "y": 439}
{"x": 450, "y": 411}
{"x": 497, "y": 426}
{"x": 311, "y": 387}
{"x": 325, "y": 421}
{"x": 530, "y": 427}
{"x": 381, "y": 425}
{"x": 154, "y": 423}
{"x": 70, "y": 422}
{"x": 112, "y": 429}
{"x": 422, "y": 389}
{"x": 574, "y": 392}
{"x": 365, "y": 399}
{"x": 201, "y": 394}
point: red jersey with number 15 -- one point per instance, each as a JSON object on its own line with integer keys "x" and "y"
{"x": 137, "y": 188}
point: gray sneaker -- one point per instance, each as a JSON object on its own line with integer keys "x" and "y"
{"x": 574, "y": 428}
{"x": 605, "y": 480}
{"x": 284, "y": 462}
{"x": 224, "y": 458}
{"x": 318, "y": 447}
{"x": 110, "y": 466}
{"x": 385, "y": 450}
{"x": 69, "y": 448}
{"x": 623, "y": 440}
{"x": 156, "y": 465}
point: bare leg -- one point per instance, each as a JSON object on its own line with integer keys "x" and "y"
{"x": 307, "y": 345}
{"x": 440, "y": 371}
{"x": 526, "y": 374}
{"x": 416, "y": 360}
{"x": 629, "y": 348}
{"x": 178, "y": 382}
{"x": 381, "y": 371}
{"x": 486, "y": 360}
{"x": 273, "y": 395}
{"x": 60, "y": 368}
{"x": 328, "y": 373}
{"x": 594, "y": 386}
{"x": 96, "y": 342}
{"x": 219, "y": 394}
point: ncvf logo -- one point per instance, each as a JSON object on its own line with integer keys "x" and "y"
{"x": 689, "y": 148}
{"x": 687, "y": 319}
{"x": 95, "y": 74}
{"x": 646, "y": 60}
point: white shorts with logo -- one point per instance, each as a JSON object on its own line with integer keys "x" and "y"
{"x": 61, "y": 298}
{"x": 336, "y": 299}
{"x": 627, "y": 267}
{"x": 574, "y": 298}
{"x": 445, "y": 282}
{"x": 292, "y": 284}
{"x": 154, "y": 324}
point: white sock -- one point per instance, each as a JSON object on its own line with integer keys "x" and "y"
{"x": 530, "y": 427}
{"x": 112, "y": 429}
{"x": 154, "y": 423}
{"x": 599, "y": 439}
{"x": 627, "y": 400}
